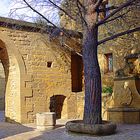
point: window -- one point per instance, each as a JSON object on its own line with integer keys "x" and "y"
{"x": 109, "y": 63}
{"x": 49, "y": 64}
{"x": 76, "y": 73}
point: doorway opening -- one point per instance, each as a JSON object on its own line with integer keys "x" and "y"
{"x": 2, "y": 93}
{"x": 4, "y": 70}
{"x": 76, "y": 72}
{"x": 56, "y": 104}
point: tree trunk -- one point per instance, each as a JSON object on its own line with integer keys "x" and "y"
{"x": 92, "y": 108}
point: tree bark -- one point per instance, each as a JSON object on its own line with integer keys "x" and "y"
{"x": 92, "y": 108}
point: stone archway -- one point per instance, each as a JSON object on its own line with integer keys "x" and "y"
{"x": 14, "y": 72}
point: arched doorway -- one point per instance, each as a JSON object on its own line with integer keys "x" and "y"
{"x": 4, "y": 70}
{"x": 14, "y": 70}
{"x": 2, "y": 93}
{"x": 56, "y": 104}
{"x": 2, "y": 87}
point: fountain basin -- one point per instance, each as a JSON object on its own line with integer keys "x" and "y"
{"x": 77, "y": 126}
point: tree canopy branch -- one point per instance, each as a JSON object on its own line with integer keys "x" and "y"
{"x": 62, "y": 10}
{"x": 126, "y": 4}
{"x": 39, "y": 13}
{"x": 108, "y": 8}
{"x": 80, "y": 12}
{"x": 98, "y": 3}
{"x": 81, "y": 5}
{"x": 118, "y": 35}
{"x": 117, "y": 17}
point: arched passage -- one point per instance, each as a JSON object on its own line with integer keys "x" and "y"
{"x": 14, "y": 72}
{"x": 4, "y": 71}
{"x": 2, "y": 87}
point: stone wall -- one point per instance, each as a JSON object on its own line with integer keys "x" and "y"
{"x": 119, "y": 47}
{"x": 38, "y": 69}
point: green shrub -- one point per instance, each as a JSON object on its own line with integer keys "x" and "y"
{"x": 107, "y": 90}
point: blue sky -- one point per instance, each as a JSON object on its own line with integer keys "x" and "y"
{"x": 25, "y": 14}
{"x": 4, "y": 7}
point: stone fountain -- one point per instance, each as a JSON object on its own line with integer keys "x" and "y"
{"x": 126, "y": 95}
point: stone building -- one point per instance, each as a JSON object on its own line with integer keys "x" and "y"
{"x": 37, "y": 73}
{"x": 108, "y": 52}
{"x": 40, "y": 71}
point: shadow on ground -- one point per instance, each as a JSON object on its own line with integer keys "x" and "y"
{"x": 29, "y": 132}
{"x": 8, "y": 129}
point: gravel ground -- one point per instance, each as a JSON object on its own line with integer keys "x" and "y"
{"x": 2, "y": 113}
{"x": 28, "y": 132}
{"x": 10, "y": 131}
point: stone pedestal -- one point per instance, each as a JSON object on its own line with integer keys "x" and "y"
{"x": 126, "y": 101}
{"x": 45, "y": 120}
{"x": 124, "y": 115}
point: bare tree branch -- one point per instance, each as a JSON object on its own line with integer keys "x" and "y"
{"x": 15, "y": 9}
{"x": 81, "y": 5}
{"x": 62, "y": 10}
{"x": 39, "y": 13}
{"x": 98, "y": 3}
{"x": 117, "y": 17}
{"x": 118, "y": 35}
{"x": 80, "y": 13}
{"x": 108, "y": 8}
{"x": 126, "y": 4}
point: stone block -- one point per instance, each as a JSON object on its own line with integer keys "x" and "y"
{"x": 28, "y": 92}
{"x": 45, "y": 120}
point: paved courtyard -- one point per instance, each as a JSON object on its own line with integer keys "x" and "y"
{"x": 10, "y": 131}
